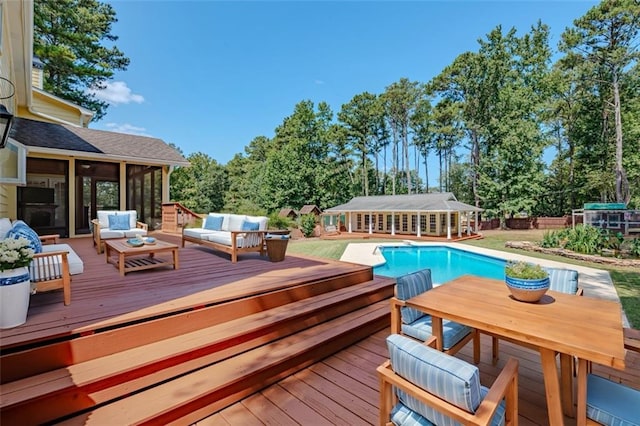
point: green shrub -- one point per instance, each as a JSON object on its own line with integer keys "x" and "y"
{"x": 307, "y": 224}
{"x": 634, "y": 249}
{"x": 585, "y": 239}
{"x": 278, "y": 222}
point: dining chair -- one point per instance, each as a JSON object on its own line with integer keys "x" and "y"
{"x": 560, "y": 280}
{"x": 611, "y": 403}
{"x": 416, "y": 324}
{"x": 423, "y": 386}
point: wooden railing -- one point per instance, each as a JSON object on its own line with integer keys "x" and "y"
{"x": 175, "y": 216}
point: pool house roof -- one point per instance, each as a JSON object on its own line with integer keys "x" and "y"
{"x": 437, "y": 201}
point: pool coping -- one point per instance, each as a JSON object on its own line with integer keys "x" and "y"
{"x": 595, "y": 282}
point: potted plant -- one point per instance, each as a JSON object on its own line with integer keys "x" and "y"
{"x": 15, "y": 285}
{"x": 527, "y": 282}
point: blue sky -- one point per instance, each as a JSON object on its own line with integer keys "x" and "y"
{"x": 209, "y": 76}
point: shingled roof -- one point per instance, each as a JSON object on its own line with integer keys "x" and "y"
{"x": 95, "y": 143}
{"x": 438, "y": 201}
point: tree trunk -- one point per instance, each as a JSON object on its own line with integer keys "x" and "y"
{"x": 623, "y": 194}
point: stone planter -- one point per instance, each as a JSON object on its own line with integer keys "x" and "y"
{"x": 526, "y": 290}
{"x": 15, "y": 289}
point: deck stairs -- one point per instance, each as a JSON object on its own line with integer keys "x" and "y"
{"x": 182, "y": 367}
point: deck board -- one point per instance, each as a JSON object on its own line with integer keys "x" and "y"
{"x": 340, "y": 388}
{"x": 101, "y": 298}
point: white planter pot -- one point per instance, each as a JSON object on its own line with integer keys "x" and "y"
{"x": 15, "y": 289}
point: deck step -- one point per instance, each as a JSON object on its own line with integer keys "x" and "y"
{"x": 225, "y": 305}
{"x": 198, "y": 394}
{"x": 47, "y": 396}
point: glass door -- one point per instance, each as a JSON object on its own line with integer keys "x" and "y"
{"x": 97, "y": 188}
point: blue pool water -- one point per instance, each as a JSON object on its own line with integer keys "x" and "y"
{"x": 446, "y": 263}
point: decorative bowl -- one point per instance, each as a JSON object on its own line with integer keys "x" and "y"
{"x": 134, "y": 242}
{"x": 527, "y": 290}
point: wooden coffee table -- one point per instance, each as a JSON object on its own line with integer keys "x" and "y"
{"x": 128, "y": 259}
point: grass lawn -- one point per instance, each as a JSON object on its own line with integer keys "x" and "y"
{"x": 626, "y": 280}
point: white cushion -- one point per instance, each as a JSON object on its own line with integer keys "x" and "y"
{"x": 197, "y": 232}
{"x": 106, "y": 234}
{"x": 103, "y": 217}
{"x": 235, "y": 222}
{"x": 76, "y": 266}
{"x": 5, "y": 227}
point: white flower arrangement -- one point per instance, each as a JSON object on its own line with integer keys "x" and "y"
{"x": 15, "y": 253}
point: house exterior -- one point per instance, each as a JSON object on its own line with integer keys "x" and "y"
{"x": 435, "y": 214}
{"x": 55, "y": 173}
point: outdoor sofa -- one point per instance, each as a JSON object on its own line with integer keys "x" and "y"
{"x": 229, "y": 233}
{"x": 52, "y": 265}
{"x": 116, "y": 224}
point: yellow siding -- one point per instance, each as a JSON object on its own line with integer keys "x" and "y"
{"x": 37, "y": 79}
{"x": 8, "y": 199}
{"x": 51, "y": 107}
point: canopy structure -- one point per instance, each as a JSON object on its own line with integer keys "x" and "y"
{"x": 435, "y": 214}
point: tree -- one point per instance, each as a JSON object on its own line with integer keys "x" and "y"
{"x": 607, "y": 38}
{"x": 71, "y": 38}
{"x": 400, "y": 99}
{"x": 200, "y": 187}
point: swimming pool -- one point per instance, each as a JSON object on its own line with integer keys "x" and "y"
{"x": 446, "y": 263}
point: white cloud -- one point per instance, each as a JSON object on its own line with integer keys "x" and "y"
{"x": 127, "y": 128}
{"x": 116, "y": 92}
{"x": 319, "y": 82}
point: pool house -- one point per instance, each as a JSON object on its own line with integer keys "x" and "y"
{"x": 436, "y": 215}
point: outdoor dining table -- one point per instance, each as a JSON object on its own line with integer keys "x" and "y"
{"x": 583, "y": 327}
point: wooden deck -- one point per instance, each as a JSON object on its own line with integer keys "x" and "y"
{"x": 284, "y": 333}
{"x": 343, "y": 389}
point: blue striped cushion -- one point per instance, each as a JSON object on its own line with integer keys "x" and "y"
{"x": 401, "y": 415}
{"x": 449, "y": 378}
{"x": 21, "y": 229}
{"x": 563, "y": 280}
{"x": 411, "y": 285}
{"x": 452, "y": 332}
{"x": 611, "y": 403}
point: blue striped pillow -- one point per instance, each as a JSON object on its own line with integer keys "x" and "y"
{"x": 411, "y": 285}
{"x": 447, "y": 377}
{"x": 21, "y": 229}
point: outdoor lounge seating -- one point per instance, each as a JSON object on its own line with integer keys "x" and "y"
{"x": 612, "y": 403}
{"x": 416, "y": 324}
{"x": 229, "y": 233}
{"x": 116, "y": 224}
{"x": 422, "y": 386}
{"x": 52, "y": 267}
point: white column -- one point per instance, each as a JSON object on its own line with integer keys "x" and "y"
{"x": 393, "y": 223}
{"x": 477, "y": 225}
{"x": 349, "y": 220}
{"x": 370, "y": 223}
{"x": 418, "y": 224}
{"x": 459, "y": 224}
{"x": 448, "y": 225}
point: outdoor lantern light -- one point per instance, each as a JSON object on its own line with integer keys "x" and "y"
{"x": 5, "y": 125}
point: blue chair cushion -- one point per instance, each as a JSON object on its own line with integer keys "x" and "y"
{"x": 447, "y": 377}
{"x": 612, "y": 403}
{"x": 213, "y": 223}
{"x": 249, "y": 226}
{"x": 563, "y": 280}
{"x": 119, "y": 222}
{"x": 411, "y": 285}
{"x": 452, "y": 332}
{"x": 21, "y": 229}
{"x": 401, "y": 415}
